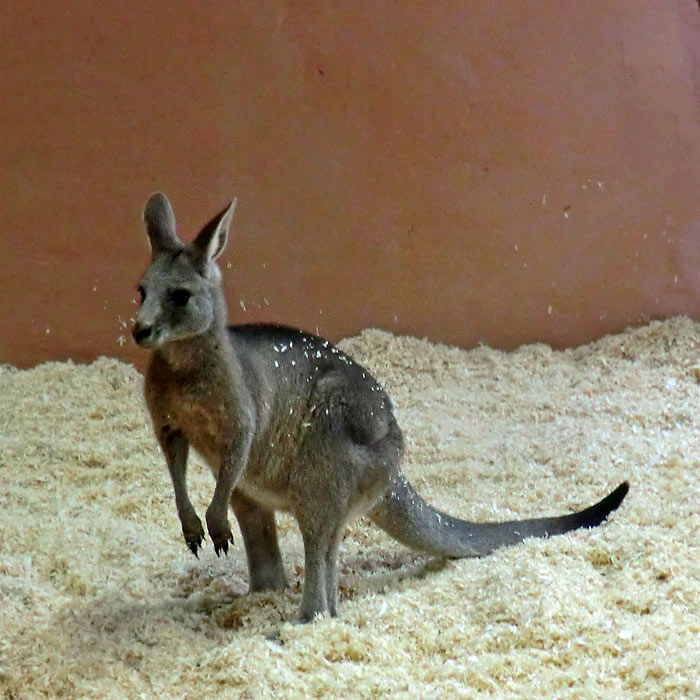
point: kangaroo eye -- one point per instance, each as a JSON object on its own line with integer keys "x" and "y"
{"x": 180, "y": 297}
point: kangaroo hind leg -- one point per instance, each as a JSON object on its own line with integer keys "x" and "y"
{"x": 257, "y": 524}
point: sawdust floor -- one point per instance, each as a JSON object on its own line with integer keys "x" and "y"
{"x": 99, "y": 597}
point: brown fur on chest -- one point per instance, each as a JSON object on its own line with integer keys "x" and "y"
{"x": 202, "y": 413}
{"x": 203, "y": 424}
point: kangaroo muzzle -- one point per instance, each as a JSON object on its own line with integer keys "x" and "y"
{"x": 142, "y": 334}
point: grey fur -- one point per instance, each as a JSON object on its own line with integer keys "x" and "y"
{"x": 285, "y": 421}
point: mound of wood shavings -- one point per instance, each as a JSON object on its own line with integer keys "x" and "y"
{"x": 99, "y": 597}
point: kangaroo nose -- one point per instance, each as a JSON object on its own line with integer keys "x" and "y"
{"x": 141, "y": 332}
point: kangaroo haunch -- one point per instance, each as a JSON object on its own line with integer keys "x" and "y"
{"x": 285, "y": 421}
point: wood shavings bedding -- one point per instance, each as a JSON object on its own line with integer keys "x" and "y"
{"x": 100, "y": 598}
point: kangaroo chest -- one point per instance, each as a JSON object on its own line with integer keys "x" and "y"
{"x": 205, "y": 421}
{"x": 201, "y": 410}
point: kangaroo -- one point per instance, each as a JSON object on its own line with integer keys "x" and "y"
{"x": 285, "y": 421}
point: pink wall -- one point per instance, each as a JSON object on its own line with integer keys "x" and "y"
{"x": 471, "y": 172}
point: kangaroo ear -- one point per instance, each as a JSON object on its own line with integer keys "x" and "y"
{"x": 160, "y": 224}
{"x": 211, "y": 240}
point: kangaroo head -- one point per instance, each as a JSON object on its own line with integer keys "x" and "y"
{"x": 181, "y": 293}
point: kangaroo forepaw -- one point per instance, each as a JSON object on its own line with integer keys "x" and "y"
{"x": 194, "y": 534}
{"x": 220, "y": 534}
{"x": 194, "y": 546}
{"x": 222, "y": 544}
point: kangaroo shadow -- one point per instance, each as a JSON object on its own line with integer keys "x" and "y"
{"x": 364, "y": 575}
{"x": 115, "y": 627}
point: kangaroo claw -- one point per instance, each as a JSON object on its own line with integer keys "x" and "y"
{"x": 223, "y": 546}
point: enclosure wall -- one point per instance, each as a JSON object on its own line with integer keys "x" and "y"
{"x": 466, "y": 171}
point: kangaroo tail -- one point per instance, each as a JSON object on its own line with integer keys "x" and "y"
{"x": 404, "y": 515}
